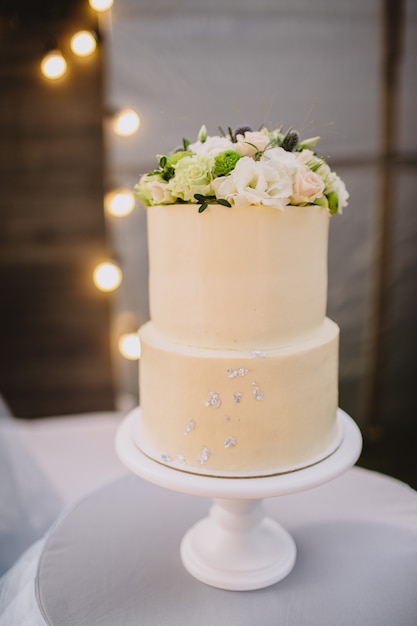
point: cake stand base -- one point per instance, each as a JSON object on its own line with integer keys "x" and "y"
{"x": 237, "y": 547}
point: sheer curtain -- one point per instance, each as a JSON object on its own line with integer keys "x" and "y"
{"x": 28, "y": 503}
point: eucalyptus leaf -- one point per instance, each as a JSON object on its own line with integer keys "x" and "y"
{"x": 223, "y": 202}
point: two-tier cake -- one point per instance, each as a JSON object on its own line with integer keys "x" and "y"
{"x": 239, "y": 366}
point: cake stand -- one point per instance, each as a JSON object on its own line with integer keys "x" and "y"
{"x": 237, "y": 547}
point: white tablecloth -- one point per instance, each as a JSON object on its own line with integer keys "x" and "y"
{"x": 113, "y": 559}
{"x": 113, "y": 555}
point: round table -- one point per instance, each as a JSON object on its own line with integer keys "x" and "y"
{"x": 114, "y": 559}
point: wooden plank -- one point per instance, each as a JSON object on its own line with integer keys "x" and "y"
{"x": 55, "y": 354}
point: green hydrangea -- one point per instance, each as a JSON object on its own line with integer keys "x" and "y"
{"x": 225, "y": 162}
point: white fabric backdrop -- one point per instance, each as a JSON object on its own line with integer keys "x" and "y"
{"x": 311, "y": 64}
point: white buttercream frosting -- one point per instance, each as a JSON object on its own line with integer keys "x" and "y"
{"x": 239, "y": 366}
{"x": 240, "y": 277}
{"x": 276, "y": 411}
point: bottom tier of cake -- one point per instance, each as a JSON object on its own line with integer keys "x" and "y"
{"x": 232, "y": 413}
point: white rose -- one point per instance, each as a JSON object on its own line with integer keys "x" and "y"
{"x": 281, "y": 159}
{"x": 212, "y": 146}
{"x": 255, "y": 182}
{"x": 160, "y": 194}
{"x": 250, "y": 143}
{"x": 307, "y": 186}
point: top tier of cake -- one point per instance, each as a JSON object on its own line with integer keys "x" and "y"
{"x": 237, "y": 278}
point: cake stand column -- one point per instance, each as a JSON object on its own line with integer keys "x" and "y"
{"x": 237, "y": 547}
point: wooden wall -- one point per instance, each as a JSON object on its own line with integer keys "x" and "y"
{"x": 55, "y": 355}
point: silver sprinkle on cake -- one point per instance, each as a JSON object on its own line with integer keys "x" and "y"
{"x": 190, "y": 426}
{"x": 230, "y": 442}
{"x": 203, "y": 457}
{"x": 260, "y": 354}
{"x": 257, "y": 393}
{"x": 214, "y": 400}
{"x": 241, "y": 371}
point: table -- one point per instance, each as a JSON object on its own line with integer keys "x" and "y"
{"x": 113, "y": 559}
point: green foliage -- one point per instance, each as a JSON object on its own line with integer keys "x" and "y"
{"x": 204, "y": 201}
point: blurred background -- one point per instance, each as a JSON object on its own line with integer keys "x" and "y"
{"x": 342, "y": 70}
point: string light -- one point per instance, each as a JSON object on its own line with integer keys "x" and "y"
{"x": 129, "y": 346}
{"x": 119, "y": 203}
{"x": 100, "y": 5}
{"x": 83, "y": 43}
{"x": 53, "y": 65}
{"x": 126, "y": 123}
{"x": 107, "y": 276}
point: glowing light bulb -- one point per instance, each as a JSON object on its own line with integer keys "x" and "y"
{"x": 83, "y": 43}
{"x": 119, "y": 203}
{"x": 100, "y": 5}
{"x": 126, "y": 123}
{"x": 107, "y": 276}
{"x": 53, "y": 65}
{"x": 129, "y": 346}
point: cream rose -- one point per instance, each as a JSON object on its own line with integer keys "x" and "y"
{"x": 250, "y": 143}
{"x": 308, "y": 186}
{"x": 159, "y": 191}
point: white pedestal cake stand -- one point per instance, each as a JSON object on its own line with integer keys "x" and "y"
{"x": 237, "y": 547}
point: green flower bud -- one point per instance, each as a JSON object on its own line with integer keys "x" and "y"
{"x": 202, "y": 134}
{"x": 308, "y": 144}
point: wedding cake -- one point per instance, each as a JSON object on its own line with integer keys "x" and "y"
{"x": 239, "y": 365}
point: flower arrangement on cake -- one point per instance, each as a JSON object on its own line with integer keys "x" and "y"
{"x": 244, "y": 167}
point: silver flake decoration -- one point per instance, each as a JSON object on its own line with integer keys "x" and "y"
{"x": 237, "y": 397}
{"x": 190, "y": 426}
{"x": 258, "y": 394}
{"x": 241, "y": 371}
{"x": 182, "y": 459}
{"x": 227, "y": 418}
{"x": 203, "y": 457}
{"x": 260, "y": 354}
{"x": 230, "y": 442}
{"x": 166, "y": 458}
{"x": 214, "y": 400}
